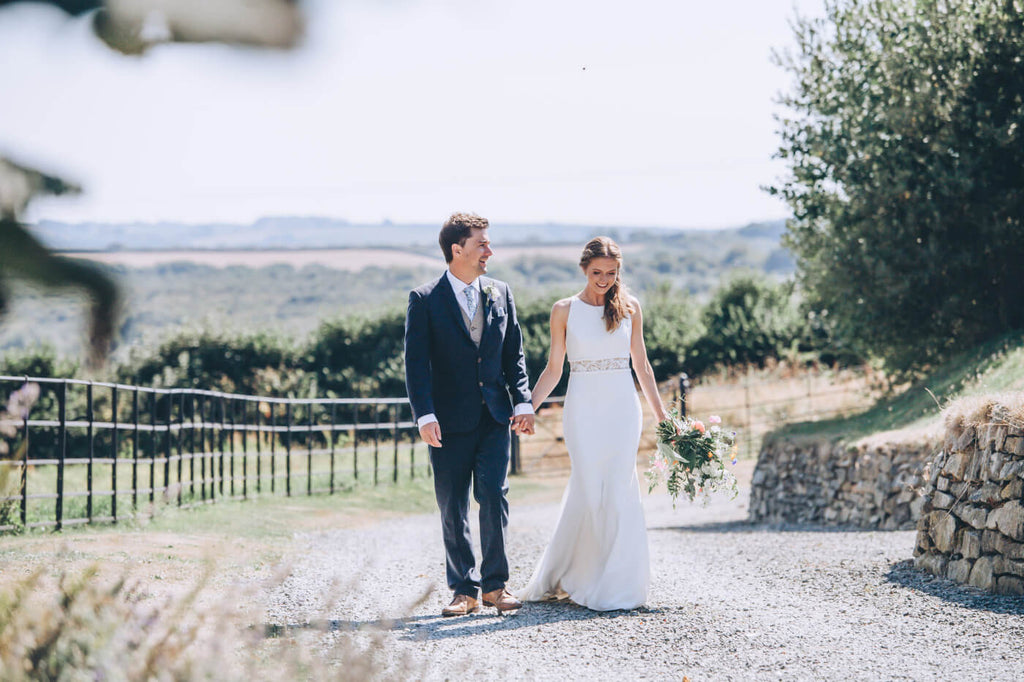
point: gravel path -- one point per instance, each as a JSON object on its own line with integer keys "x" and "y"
{"x": 729, "y": 600}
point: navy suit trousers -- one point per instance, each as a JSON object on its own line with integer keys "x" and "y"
{"x": 479, "y": 458}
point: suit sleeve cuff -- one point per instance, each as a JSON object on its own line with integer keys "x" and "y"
{"x": 523, "y": 408}
{"x": 425, "y": 419}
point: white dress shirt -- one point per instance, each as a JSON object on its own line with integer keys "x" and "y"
{"x": 459, "y": 287}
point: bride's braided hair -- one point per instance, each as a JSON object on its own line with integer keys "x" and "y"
{"x": 616, "y": 305}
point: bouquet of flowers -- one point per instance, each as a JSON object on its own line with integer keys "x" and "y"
{"x": 691, "y": 457}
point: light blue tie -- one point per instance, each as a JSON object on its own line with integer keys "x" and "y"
{"x": 471, "y": 298}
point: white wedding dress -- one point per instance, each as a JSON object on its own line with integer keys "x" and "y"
{"x": 598, "y": 555}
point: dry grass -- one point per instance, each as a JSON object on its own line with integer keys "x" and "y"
{"x": 994, "y": 408}
{"x": 755, "y": 402}
{"x": 93, "y": 624}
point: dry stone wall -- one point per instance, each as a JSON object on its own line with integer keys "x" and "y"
{"x": 867, "y": 485}
{"x": 972, "y": 524}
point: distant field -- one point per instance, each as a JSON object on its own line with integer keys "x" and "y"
{"x": 340, "y": 259}
{"x": 290, "y": 291}
{"x": 351, "y": 260}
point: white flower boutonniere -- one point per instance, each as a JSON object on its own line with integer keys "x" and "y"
{"x": 492, "y": 293}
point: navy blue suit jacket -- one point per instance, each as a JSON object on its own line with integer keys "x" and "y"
{"x": 446, "y": 374}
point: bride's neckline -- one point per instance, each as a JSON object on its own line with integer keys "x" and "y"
{"x": 589, "y": 305}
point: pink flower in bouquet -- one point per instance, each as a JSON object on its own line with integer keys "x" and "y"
{"x": 714, "y": 419}
{"x": 698, "y": 426}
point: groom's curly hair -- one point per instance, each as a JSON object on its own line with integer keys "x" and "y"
{"x": 456, "y": 230}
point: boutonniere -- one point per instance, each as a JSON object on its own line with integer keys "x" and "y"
{"x": 492, "y": 293}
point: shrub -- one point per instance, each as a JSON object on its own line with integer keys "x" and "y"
{"x": 359, "y": 355}
{"x": 210, "y": 360}
{"x": 672, "y": 324}
{"x": 41, "y": 362}
{"x": 747, "y": 321}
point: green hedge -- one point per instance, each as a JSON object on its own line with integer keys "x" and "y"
{"x": 749, "y": 320}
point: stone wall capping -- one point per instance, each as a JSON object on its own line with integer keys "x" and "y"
{"x": 965, "y": 439}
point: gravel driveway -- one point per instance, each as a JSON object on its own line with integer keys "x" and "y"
{"x": 729, "y": 600}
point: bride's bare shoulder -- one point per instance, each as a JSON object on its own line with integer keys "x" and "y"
{"x": 561, "y": 307}
{"x": 634, "y": 304}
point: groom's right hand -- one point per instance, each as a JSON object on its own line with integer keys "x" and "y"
{"x": 431, "y": 434}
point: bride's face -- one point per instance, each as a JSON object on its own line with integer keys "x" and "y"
{"x": 601, "y": 274}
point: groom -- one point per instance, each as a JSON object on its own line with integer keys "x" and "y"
{"x": 463, "y": 357}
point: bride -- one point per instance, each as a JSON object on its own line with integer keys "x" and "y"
{"x": 598, "y": 554}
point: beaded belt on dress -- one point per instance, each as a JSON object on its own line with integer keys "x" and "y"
{"x": 602, "y": 365}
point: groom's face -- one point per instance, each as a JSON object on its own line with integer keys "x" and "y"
{"x": 471, "y": 257}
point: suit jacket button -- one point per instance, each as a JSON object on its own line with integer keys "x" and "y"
{"x": 481, "y": 384}
{"x": 479, "y": 360}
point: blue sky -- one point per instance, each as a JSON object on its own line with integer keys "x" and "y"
{"x": 641, "y": 113}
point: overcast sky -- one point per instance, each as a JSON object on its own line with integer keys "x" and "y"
{"x": 651, "y": 112}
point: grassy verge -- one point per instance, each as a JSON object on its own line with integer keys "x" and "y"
{"x": 916, "y": 409}
{"x": 191, "y": 482}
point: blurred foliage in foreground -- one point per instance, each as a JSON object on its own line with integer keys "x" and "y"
{"x": 91, "y": 626}
{"x": 906, "y": 153}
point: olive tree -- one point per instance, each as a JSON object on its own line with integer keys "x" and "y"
{"x": 905, "y": 152}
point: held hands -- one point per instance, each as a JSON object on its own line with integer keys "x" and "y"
{"x": 523, "y": 424}
{"x": 431, "y": 434}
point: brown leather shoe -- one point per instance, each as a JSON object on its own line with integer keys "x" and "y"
{"x": 461, "y": 605}
{"x": 501, "y": 600}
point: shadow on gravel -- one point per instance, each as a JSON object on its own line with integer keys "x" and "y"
{"x": 436, "y": 627}
{"x": 751, "y": 527}
{"x": 905, "y": 575}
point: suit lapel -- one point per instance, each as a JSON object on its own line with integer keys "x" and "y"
{"x": 485, "y": 301}
{"x": 453, "y": 305}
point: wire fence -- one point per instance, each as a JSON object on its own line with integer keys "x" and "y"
{"x": 90, "y": 452}
{"x": 755, "y": 406}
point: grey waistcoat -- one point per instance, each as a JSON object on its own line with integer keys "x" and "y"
{"x": 476, "y": 325}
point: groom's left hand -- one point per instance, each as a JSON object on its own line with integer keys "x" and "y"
{"x": 523, "y": 424}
